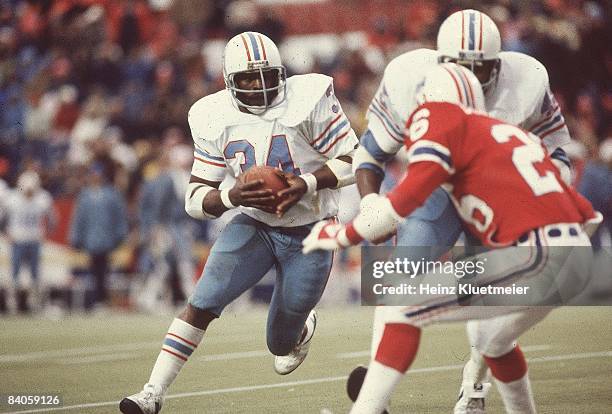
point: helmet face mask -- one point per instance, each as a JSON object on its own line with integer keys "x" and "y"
{"x": 257, "y": 89}
{"x": 485, "y": 70}
{"x": 253, "y": 72}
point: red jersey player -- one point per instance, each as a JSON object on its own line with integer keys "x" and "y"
{"x": 509, "y": 195}
{"x": 499, "y": 177}
{"x": 501, "y": 180}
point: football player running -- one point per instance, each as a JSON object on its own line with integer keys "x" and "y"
{"x": 295, "y": 124}
{"x": 450, "y": 144}
{"x": 516, "y": 90}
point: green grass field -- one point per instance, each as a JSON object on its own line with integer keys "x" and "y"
{"x": 95, "y": 361}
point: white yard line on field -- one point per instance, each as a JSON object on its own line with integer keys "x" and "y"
{"x": 109, "y": 353}
{"x": 106, "y": 353}
{"x": 234, "y": 355}
{"x": 535, "y": 348}
{"x": 359, "y": 354}
{"x": 123, "y": 356}
{"x": 89, "y": 350}
{"x": 551, "y": 358}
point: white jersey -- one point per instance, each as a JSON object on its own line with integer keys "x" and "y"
{"x": 521, "y": 97}
{"x": 26, "y": 216}
{"x": 299, "y": 135}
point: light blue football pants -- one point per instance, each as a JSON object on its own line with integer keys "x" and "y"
{"x": 244, "y": 252}
{"x": 435, "y": 226}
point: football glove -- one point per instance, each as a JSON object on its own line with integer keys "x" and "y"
{"x": 377, "y": 219}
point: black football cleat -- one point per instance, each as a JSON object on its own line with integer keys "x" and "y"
{"x": 355, "y": 382}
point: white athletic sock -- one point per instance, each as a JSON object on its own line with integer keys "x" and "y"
{"x": 379, "y": 383}
{"x": 180, "y": 342}
{"x": 517, "y": 396}
{"x": 475, "y": 370}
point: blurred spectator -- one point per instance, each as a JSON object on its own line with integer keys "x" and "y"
{"x": 30, "y": 216}
{"x": 99, "y": 225}
{"x": 596, "y": 186}
{"x": 167, "y": 231}
{"x": 88, "y": 127}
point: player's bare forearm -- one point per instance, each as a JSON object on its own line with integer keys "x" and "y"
{"x": 368, "y": 181}
{"x": 326, "y": 178}
{"x": 212, "y": 202}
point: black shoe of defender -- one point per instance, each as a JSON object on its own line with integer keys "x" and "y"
{"x": 355, "y": 382}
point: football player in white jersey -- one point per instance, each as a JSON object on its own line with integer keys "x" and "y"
{"x": 262, "y": 118}
{"x": 517, "y": 91}
{"x": 30, "y": 217}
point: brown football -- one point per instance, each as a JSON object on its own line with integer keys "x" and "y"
{"x": 271, "y": 180}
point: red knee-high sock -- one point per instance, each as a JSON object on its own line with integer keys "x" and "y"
{"x": 508, "y": 367}
{"x": 394, "y": 354}
{"x": 510, "y": 373}
{"x": 398, "y": 346}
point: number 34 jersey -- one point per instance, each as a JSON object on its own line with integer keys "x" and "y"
{"x": 498, "y": 176}
{"x": 298, "y": 135}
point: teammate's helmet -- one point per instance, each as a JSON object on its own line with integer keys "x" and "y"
{"x": 253, "y": 72}
{"x": 471, "y": 39}
{"x": 449, "y": 82}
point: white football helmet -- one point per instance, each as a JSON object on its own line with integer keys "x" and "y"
{"x": 450, "y": 82}
{"x": 470, "y": 38}
{"x": 253, "y": 56}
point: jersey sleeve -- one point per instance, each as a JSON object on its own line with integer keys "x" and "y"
{"x": 548, "y": 122}
{"x": 331, "y": 134}
{"x": 435, "y": 129}
{"x": 208, "y": 162}
{"x": 384, "y": 123}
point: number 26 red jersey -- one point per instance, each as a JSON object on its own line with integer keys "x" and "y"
{"x": 499, "y": 177}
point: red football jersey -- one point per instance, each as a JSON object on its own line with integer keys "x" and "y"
{"x": 499, "y": 177}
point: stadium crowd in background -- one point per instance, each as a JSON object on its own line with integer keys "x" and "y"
{"x": 86, "y": 83}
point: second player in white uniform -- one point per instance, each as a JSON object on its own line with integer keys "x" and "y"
{"x": 517, "y": 91}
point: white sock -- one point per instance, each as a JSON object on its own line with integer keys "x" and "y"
{"x": 517, "y": 396}
{"x": 181, "y": 340}
{"x": 475, "y": 370}
{"x": 379, "y": 383}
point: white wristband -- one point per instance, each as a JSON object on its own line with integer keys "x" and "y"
{"x": 226, "y": 200}
{"x": 311, "y": 183}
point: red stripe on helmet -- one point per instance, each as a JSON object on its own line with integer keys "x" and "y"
{"x": 456, "y": 84}
{"x": 246, "y": 46}
{"x": 263, "y": 49}
{"x": 468, "y": 86}
{"x": 480, "y": 37}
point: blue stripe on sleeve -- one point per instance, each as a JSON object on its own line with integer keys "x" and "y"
{"x": 331, "y": 134}
{"x": 207, "y": 155}
{"x": 369, "y": 143}
{"x": 377, "y": 106}
{"x": 433, "y": 151}
{"x": 372, "y": 167}
{"x": 548, "y": 125}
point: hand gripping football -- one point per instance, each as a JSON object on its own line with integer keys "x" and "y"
{"x": 272, "y": 180}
